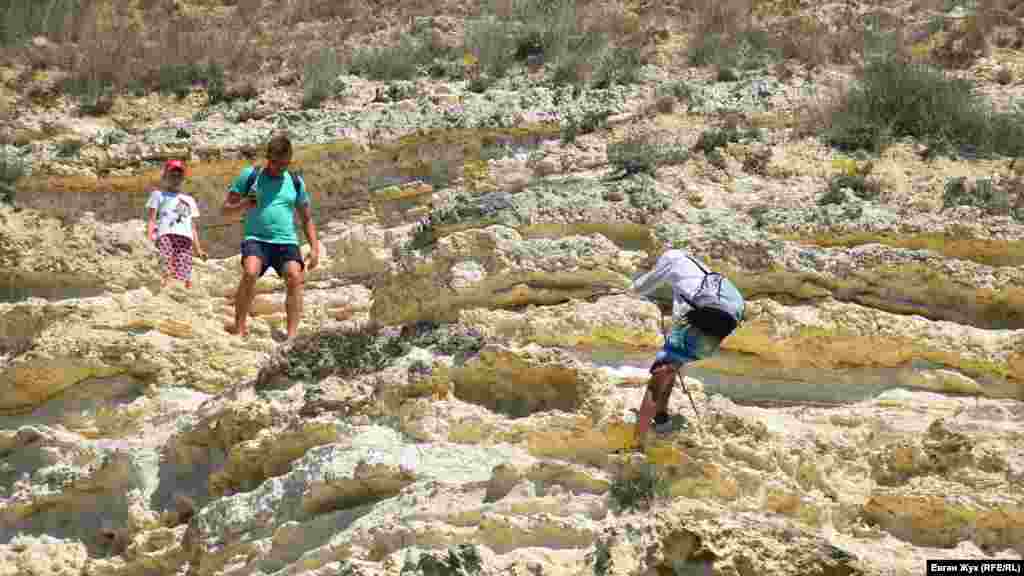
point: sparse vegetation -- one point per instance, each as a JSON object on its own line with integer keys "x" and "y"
{"x": 346, "y": 353}
{"x": 897, "y": 99}
{"x": 556, "y": 33}
{"x": 638, "y": 489}
{"x": 447, "y": 339}
{"x": 216, "y": 89}
{"x": 642, "y": 193}
{"x": 178, "y": 79}
{"x": 590, "y": 122}
{"x": 463, "y": 208}
{"x": 715, "y": 138}
{"x": 620, "y": 65}
{"x": 746, "y": 49}
{"x": 320, "y": 79}
{"x": 861, "y": 186}
{"x": 21, "y": 20}
{"x": 94, "y": 93}
{"x": 11, "y": 169}
{"x": 983, "y": 194}
{"x": 69, "y": 148}
{"x": 351, "y": 353}
{"x": 640, "y": 153}
{"x": 411, "y": 57}
{"x": 461, "y": 560}
{"x": 601, "y": 557}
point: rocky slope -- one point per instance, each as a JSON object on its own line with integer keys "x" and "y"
{"x": 458, "y": 401}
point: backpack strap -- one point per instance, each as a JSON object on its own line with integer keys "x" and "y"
{"x": 697, "y": 264}
{"x": 253, "y": 176}
{"x": 297, "y": 181}
{"x": 706, "y": 273}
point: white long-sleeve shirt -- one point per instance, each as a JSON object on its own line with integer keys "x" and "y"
{"x": 678, "y": 269}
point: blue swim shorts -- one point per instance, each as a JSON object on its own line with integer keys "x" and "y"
{"x": 686, "y": 344}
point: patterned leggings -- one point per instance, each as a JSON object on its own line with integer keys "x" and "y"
{"x": 176, "y": 256}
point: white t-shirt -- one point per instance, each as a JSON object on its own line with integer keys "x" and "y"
{"x": 174, "y": 213}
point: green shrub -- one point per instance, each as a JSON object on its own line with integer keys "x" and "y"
{"x": 68, "y": 148}
{"x": 633, "y": 155}
{"x": 346, "y": 353}
{"x": 552, "y": 26}
{"x": 400, "y": 90}
{"x": 711, "y": 140}
{"x": 546, "y": 30}
{"x": 20, "y": 20}
{"x": 993, "y": 200}
{"x": 93, "y": 92}
{"x": 592, "y": 121}
{"x": 447, "y": 339}
{"x": 440, "y": 173}
{"x": 680, "y": 89}
{"x": 602, "y": 556}
{"x": 581, "y": 50}
{"x": 414, "y": 55}
{"x": 897, "y": 99}
{"x": 639, "y": 489}
{"x": 638, "y": 154}
{"x": 178, "y": 79}
{"x": 642, "y": 193}
{"x": 620, "y": 65}
{"x": 461, "y": 560}
{"x": 11, "y": 169}
{"x": 461, "y": 208}
{"x": 399, "y": 62}
{"x": 494, "y": 44}
{"x": 861, "y": 186}
{"x": 747, "y": 50}
{"x": 715, "y": 158}
{"x": 727, "y": 75}
{"x": 479, "y": 84}
{"x": 213, "y": 78}
{"x": 320, "y": 78}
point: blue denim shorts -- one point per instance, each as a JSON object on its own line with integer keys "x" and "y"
{"x": 686, "y": 344}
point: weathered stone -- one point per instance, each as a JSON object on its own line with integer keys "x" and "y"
{"x": 393, "y": 204}
{"x": 497, "y": 268}
{"x": 614, "y": 320}
{"x": 90, "y": 493}
{"x": 135, "y": 333}
{"x": 330, "y": 480}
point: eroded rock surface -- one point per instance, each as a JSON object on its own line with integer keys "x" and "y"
{"x": 459, "y": 399}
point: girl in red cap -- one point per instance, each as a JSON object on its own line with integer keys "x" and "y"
{"x": 172, "y": 224}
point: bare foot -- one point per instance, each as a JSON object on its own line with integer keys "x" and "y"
{"x": 233, "y": 329}
{"x": 281, "y": 337}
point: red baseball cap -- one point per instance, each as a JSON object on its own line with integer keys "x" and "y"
{"x": 174, "y": 165}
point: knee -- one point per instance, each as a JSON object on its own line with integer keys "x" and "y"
{"x": 662, "y": 379}
{"x": 250, "y": 274}
{"x": 294, "y": 279}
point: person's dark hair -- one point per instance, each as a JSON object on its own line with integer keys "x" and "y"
{"x": 279, "y": 146}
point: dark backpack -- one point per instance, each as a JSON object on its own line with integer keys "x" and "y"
{"x": 296, "y": 180}
{"x": 717, "y": 306}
